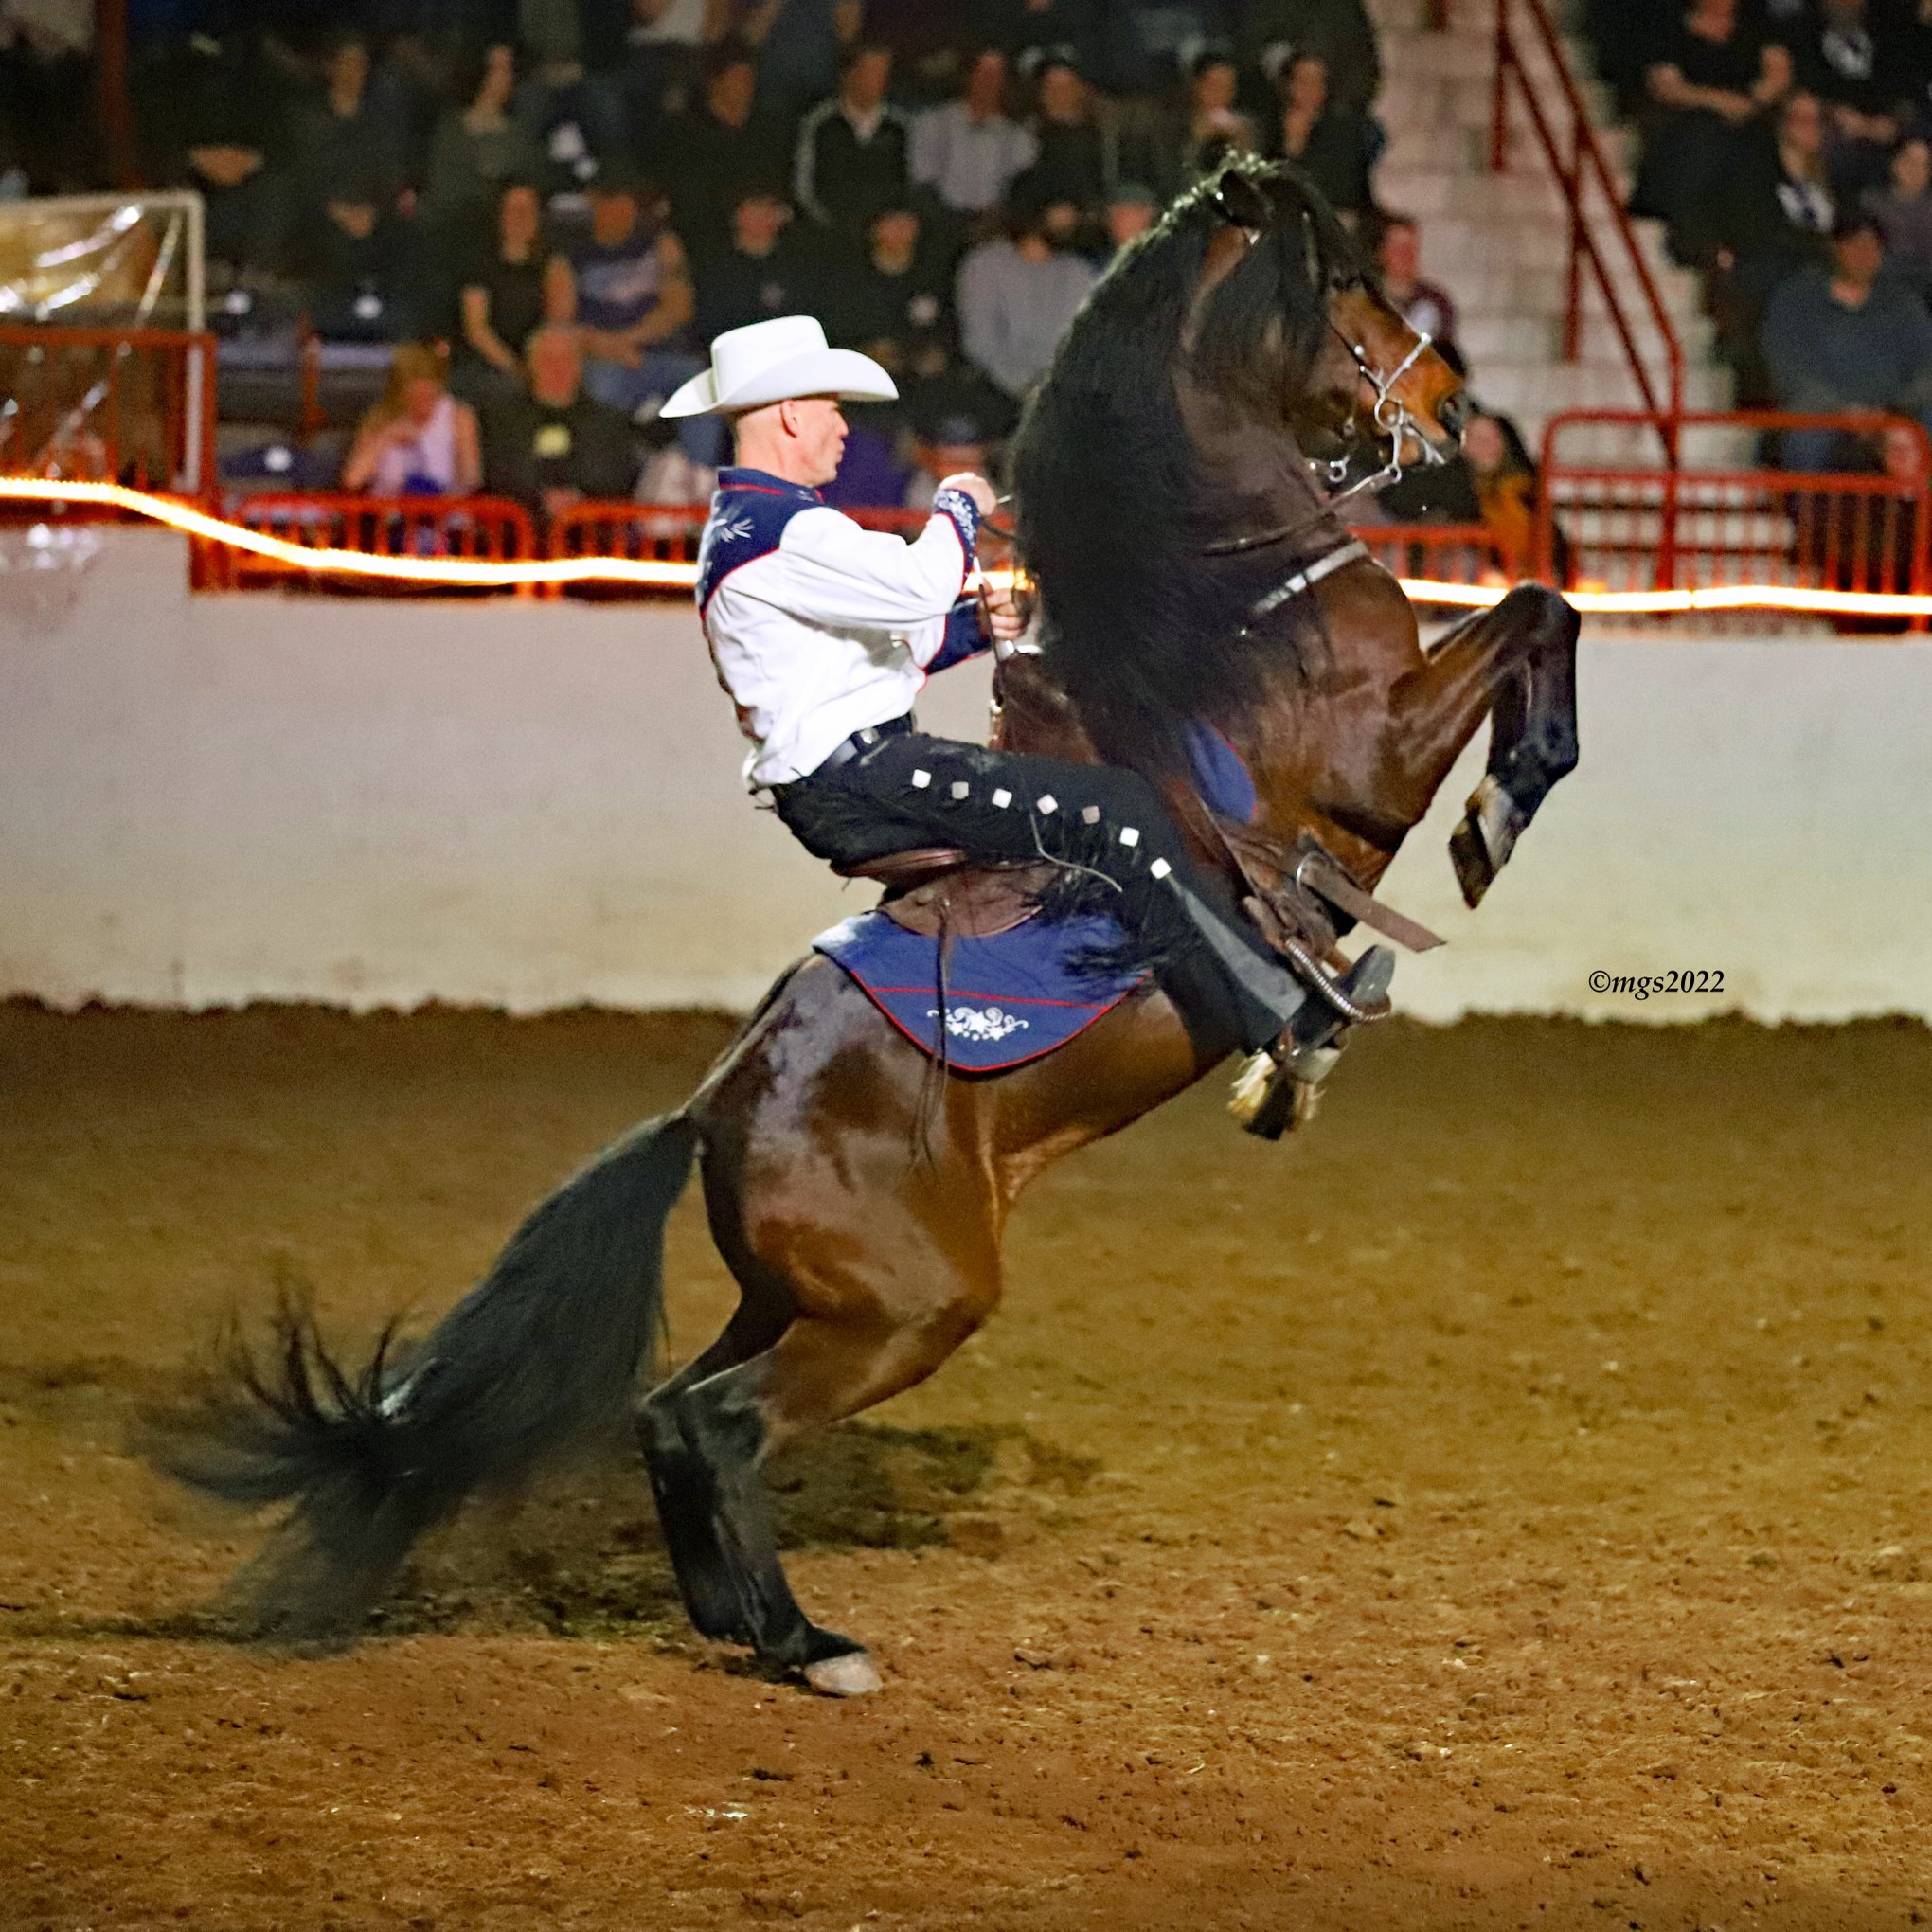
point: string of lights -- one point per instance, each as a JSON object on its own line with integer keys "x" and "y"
{"x": 471, "y": 573}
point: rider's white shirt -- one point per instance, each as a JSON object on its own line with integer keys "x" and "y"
{"x": 817, "y": 627}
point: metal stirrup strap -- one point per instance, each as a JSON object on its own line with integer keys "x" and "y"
{"x": 1352, "y": 552}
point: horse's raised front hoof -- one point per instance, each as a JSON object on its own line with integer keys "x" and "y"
{"x": 1481, "y": 845}
{"x": 1474, "y": 872}
{"x": 855, "y": 1674}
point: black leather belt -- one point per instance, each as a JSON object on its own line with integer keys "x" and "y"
{"x": 849, "y": 748}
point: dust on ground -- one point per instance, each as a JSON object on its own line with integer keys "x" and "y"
{"x": 1504, "y": 1506}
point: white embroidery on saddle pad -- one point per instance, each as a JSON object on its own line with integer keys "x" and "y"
{"x": 970, "y": 1023}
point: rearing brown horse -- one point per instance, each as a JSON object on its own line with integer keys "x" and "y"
{"x": 1190, "y": 568}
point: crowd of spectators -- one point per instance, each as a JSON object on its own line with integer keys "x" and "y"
{"x": 1788, "y": 151}
{"x": 570, "y": 198}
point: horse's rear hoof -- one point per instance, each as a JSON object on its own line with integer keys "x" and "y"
{"x": 853, "y": 1676}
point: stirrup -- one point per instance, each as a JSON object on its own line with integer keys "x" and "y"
{"x": 1279, "y": 1087}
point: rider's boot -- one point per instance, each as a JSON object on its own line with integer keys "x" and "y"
{"x": 1278, "y": 1088}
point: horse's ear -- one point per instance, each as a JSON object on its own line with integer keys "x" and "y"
{"x": 1239, "y": 201}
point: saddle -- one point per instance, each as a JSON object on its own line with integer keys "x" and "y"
{"x": 935, "y": 890}
{"x": 1301, "y": 897}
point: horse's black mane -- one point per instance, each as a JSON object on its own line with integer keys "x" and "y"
{"x": 1138, "y": 627}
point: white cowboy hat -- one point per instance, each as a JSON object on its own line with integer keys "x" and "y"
{"x": 772, "y": 362}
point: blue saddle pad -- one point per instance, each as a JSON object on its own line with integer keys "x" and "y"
{"x": 1008, "y": 1000}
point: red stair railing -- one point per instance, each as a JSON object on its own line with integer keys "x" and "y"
{"x": 1597, "y": 217}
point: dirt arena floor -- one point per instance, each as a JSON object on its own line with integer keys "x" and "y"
{"x": 1507, "y": 1507}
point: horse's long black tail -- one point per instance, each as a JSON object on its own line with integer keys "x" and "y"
{"x": 541, "y": 1351}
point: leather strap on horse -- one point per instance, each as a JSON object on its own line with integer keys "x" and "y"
{"x": 1308, "y": 871}
{"x": 1322, "y": 876}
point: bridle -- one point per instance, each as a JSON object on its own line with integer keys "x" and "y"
{"x": 1392, "y": 418}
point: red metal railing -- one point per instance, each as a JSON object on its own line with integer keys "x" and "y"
{"x": 1628, "y": 528}
{"x": 1594, "y": 198}
{"x": 488, "y": 528}
{"x": 666, "y": 532}
{"x": 1451, "y": 554}
{"x": 128, "y": 406}
{"x": 1443, "y": 553}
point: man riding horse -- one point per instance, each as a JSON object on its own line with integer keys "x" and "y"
{"x": 823, "y": 634}
{"x": 1206, "y": 616}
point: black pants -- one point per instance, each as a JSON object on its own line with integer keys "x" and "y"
{"x": 911, "y": 790}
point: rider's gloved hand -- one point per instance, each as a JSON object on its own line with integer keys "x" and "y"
{"x": 985, "y": 497}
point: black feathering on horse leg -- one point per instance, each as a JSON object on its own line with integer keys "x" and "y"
{"x": 705, "y": 1444}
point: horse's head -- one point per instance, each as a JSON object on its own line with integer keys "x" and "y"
{"x": 1289, "y": 321}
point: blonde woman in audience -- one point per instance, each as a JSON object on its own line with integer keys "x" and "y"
{"x": 418, "y": 440}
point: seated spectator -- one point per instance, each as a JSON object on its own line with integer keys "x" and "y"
{"x": 1890, "y": 550}
{"x": 1492, "y": 480}
{"x": 946, "y": 388}
{"x": 716, "y": 149}
{"x": 854, "y": 150}
{"x": 763, "y": 273}
{"x": 1017, "y": 295}
{"x": 502, "y": 299}
{"x": 1847, "y": 337}
{"x": 1077, "y": 160}
{"x": 1207, "y": 127}
{"x": 476, "y": 148}
{"x": 1425, "y": 308}
{"x": 945, "y": 446}
{"x": 574, "y": 120}
{"x": 215, "y": 112}
{"x": 629, "y": 291}
{"x": 364, "y": 280}
{"x": 1846, "y": 59}
{"x": 1504, "y": 473}
{"x": 1130, "y": 211}
{"x": 797, "y": 45}
{"x": 1904, "y": 212}
{"x": 1144, "y": 41}
{"x": 418, "y": 440}
{"x": 923, "y": 39}
{"x": 1334, "y": 145}
{"x": 407, "y": 93}
{"x": 1018, "y": 27}
{"x": 1776, "y": 215}
{"x": 1273, "y": 31}
{"x": 896, "y": 296}
{"x": 553, "y": 446}
{"x": 342, "y": 147}
{"x": 968, "y": 152}
{"x": 1627, "y": 38}
{"x": 1712, "y": 78}
{"x": 663, "y": 47}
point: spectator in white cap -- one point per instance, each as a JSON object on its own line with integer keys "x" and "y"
{"x": 823, "y": 634}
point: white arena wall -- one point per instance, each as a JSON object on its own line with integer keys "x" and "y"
{"x": 215, "y": 799}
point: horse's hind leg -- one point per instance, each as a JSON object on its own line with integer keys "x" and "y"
{"x": 872, "y": 1281}
{"x": 680, "y": 1480}
{"x": 1516, "y": 664}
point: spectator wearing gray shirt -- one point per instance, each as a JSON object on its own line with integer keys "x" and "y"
{"x": 1846, "y": 337}
{"x": 968, "y": 152}
{"x": 1017, "y": 297}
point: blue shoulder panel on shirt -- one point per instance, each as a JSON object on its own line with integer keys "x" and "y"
{"x": 748, "y": 518}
